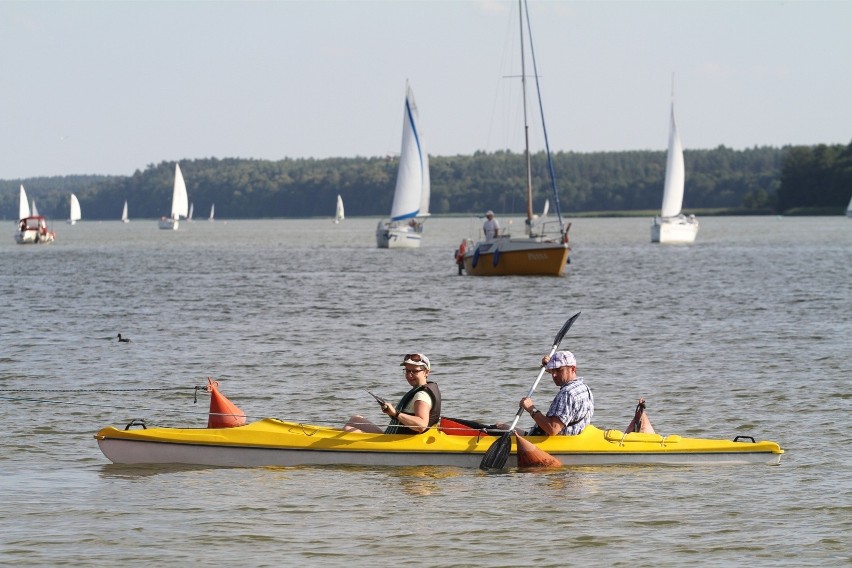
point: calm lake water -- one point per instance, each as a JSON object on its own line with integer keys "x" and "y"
{"x": 745, "y": 332}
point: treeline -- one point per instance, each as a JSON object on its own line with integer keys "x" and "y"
{"x": 757, "y": 180}
{"x": 816, "y": 178}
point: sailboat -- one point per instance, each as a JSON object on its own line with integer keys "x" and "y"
{"x": 75, "y": 214}
{"x": 338, "y": 212}
{"x": 32, "y": 227}
{"x": 849, "y": 208}
{"x": 124, "y": 217}
{"x": 189, "y": 216}
{"x": 543, "y": 250}
{"x": 180, "y": 203}
{"x": 410, "y": 205}
{"x": 672, "y": 226}
{"x": 212, "y": 212}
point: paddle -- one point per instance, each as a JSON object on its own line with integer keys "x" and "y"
{"x": 498, "y": 453}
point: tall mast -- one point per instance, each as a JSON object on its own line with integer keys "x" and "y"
{"x": 526, "y": 124}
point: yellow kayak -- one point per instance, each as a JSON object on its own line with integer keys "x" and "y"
{"x": 272, "y": 442}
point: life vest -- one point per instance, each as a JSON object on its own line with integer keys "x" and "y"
{"x": 460, "y": 252}
{"x": 434, "y": 413}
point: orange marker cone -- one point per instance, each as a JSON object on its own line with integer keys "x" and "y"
{"x": 223, "y": 412}
{"x": 529, "y": 455}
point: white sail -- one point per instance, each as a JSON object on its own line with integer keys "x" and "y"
{"x": 413, "y": 166}
{"x": 338, "y": 212}
{"x": 75, "y": 214}
{"x": 672, "y": 226}
{"x": 180, "y": 201}
{"x": 23, "y": 205}
{"x": 849, "y": 208}
{"x": 212, "y": 211}
{"x": 189, "y": 217}
{"x": 33, "y": 209}
{"x": 124, "y": 217}
{"x": 675, "y": 173}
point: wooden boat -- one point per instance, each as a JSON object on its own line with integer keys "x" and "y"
{"x": 543, "y": 250}
{"x": 272, "y": 442}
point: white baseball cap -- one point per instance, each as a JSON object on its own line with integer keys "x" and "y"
{"x": 561, "y": 359}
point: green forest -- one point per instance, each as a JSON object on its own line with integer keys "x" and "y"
{"x": 762, "y": 180}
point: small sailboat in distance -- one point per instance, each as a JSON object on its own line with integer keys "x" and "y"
{"x": 338, "y": 212}
{"x": 75, "y": 214}
{"x": 411, "y": 195}
{"x": 32, "y": 227}
{"x": 180, "y": 203}
{"x": 672, "y": 226}
{"x": 212, "y": 212}
{"x": 124, "y": 217}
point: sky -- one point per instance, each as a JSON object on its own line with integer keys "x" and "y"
{"x": 113, "y": 87}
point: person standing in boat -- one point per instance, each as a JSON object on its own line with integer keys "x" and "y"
{"x": 490, "y": 228}
{"x": 419, "y": 408}
{"x": 572, "y": 408}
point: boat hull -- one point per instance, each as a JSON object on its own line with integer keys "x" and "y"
{"x": 168, "y": 224}
{"x": 674, "y": 230}
{"x": 33, "y": 231}
{"x": 271, "y": 442}
{"x": 393, "y": 236}
{"x": 505, "y": 256}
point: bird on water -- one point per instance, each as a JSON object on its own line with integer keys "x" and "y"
{"x": 123, "y": 339}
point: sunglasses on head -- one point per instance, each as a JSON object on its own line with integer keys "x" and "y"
{"x": 413, "y": 357}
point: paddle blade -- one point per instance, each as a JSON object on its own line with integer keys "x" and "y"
{"x": 498, "y": 453}
{"x": 530, "y": 455}
{"x": 565, "y": 327}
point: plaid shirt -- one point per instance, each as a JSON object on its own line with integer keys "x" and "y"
{"x": 573, "y": 403}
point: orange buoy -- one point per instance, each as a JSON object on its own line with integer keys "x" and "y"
{"x": 223, "y": 412}
{"x": 529, "y": 455}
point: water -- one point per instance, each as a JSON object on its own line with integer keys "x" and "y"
{"x": 745, "y": 332}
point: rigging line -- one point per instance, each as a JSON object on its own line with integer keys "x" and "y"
{"x": 103, "y": 390}
{"x": 150, "y": 409}
{"x": 543, "y": 126}
{"x": 114, "y": 407}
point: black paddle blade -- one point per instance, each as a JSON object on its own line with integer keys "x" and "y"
{"x": 498, "y": 453}
{"x": 565, "y": 329}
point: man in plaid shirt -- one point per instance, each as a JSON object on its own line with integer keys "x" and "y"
{"x": 573, "y": 406}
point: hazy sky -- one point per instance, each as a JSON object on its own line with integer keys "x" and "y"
{"x": 111, "y": 87}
